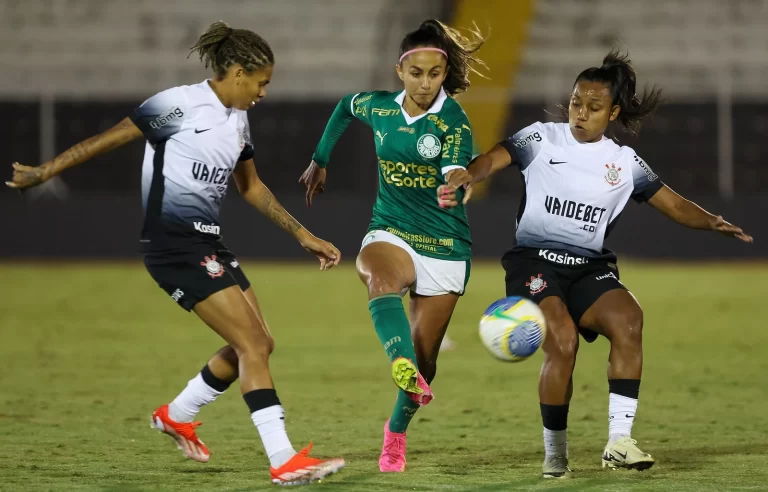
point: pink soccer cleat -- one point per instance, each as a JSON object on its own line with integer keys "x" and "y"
{"x": 407, "y": 378}
{"x": 393, "y": 451}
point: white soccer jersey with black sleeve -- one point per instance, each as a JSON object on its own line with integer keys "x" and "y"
{"x": 193, "y": 146}
{"x": 574, "y": 192}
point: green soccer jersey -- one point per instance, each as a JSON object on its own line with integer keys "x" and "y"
{"x": 414, "y": 154}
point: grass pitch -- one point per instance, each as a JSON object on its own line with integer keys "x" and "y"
{"x": 89, "y": 351}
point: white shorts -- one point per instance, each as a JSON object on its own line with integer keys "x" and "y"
{"x": 434, "y": 277}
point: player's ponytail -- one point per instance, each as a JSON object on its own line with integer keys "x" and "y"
{"x": 220, "y": 47}
{"x": 618, "y": 73}
{"x": 459, "y": 49}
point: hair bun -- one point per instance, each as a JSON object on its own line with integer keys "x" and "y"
{"x": 430, "y": 25}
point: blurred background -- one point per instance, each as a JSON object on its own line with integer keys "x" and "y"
{"x": 73, "y": 68}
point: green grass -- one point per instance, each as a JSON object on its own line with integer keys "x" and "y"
{"x": 89, "y": 351}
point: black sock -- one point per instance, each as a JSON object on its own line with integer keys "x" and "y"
{"x": 211, "y": 380}
{"x": 554, "y": 417}
{"x": 261, "y": 398}
{"x": 624, "y": 387}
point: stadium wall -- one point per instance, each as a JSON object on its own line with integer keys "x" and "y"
{"x": 108, "y": 226}
{"x": 680, "y": 144}
{"x": 94, "y": 211}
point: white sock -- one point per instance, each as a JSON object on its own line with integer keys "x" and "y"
{"x": 270, "y": 422}
{"x": 555, "y": 442}
{"x": 621, "y": 415}
{"x": 191, "y": 400}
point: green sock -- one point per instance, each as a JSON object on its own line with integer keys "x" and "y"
{"x": 392, "y": 326}
{"x": 404, "y": 410}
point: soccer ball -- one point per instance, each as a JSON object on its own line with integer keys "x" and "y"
{"x": 513, "y": 328}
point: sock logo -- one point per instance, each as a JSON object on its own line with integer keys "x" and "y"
{"x": 392, "y": 341}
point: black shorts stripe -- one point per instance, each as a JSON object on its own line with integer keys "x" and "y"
{"x": 523, "y": 198}
{"x": 156, "y": 191}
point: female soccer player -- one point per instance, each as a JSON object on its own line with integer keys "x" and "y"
{"x": 197, "y": 136}
{"x": 422, "y": 136}
{"x": 577, "y": 182}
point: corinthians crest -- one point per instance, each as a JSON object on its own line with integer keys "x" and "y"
{"x": 212, "y": 266}
{"x": 612, "y": 176}
{"x": 537, "y": 284}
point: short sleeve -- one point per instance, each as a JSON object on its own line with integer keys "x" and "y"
{"x": 161, "y": 116}
{"x": 646, "y": 182}
{"x": 245, "y": 137}
{"x": 457, "y": 145}
{"x": 525, "y": 145}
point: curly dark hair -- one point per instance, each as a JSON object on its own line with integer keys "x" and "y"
{"x": 220, "y": 47}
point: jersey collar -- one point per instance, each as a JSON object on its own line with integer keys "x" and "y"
{"x": 214, "y": 98}
{"x": 437, "y": 105}
{"x": 583, "y": 146}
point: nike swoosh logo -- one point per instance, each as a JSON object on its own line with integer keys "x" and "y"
{"x": 630, "y": 416}
{"x": 201, "y": 131}
{"x": 557, "y": 162}
{"x": 623, "y": 456}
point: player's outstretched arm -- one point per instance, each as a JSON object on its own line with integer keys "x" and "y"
{"x": 479, "y": 169}
{"x": 689, "y": 214}
{"x": 255, "y": 192}
{"x": 313, "y": 178}
{"x": 120, "y": 134}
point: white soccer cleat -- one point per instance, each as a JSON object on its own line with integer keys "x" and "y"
{"x": 623, "y": 453}
{"x": 556, "y": 466}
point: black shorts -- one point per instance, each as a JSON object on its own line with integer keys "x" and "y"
{"x": 193, "y": 274}
{"x": 537, "y": 274}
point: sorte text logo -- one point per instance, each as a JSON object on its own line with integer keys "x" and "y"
{"x": 408, "y": 175}
{"x": 428, "y": 146}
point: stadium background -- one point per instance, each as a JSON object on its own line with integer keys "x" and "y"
{"x": 89, "y": 348}
{"x": 73, "y": 68}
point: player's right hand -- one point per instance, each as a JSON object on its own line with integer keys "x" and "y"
{"x": 724, "y": 227}
{"x": 446, "y": 194}
{"x": 326, "y": 252}
{"x": 314, "y": 180}
{"x": 26, "y": 176}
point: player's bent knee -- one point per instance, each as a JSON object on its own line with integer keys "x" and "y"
{"x": 562, "y": 341}
{"x": 379, "y": 285}
{"x": 253, "y": 342}
{"x": 629, "y": 328}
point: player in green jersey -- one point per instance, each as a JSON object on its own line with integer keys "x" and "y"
{"x": 422, "y": 137}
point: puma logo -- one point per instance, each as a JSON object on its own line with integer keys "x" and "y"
{"x": 381, "y": 137}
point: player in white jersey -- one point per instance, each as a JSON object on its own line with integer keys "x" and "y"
{"x": 197, "y": 137}
{"x": 577, "y": 183}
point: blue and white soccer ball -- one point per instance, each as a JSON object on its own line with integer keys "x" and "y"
{"x": 513, "y": 328}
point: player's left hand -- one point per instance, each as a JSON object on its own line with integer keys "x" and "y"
{"x": 326, "y": 252}
{"x": 26, "y": 176}
{"x": 314, "y": 180}
{"x": 446, "y": 194}
{"x": 724, "y": 227}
